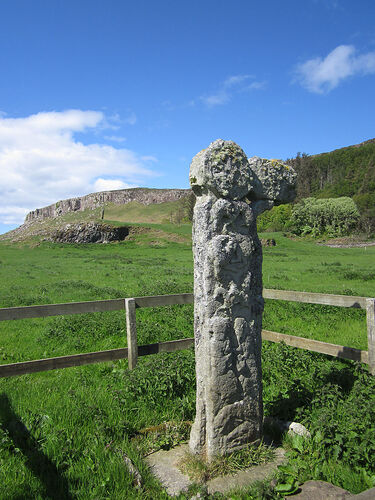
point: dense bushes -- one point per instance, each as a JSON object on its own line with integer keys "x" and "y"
{"x": 331, "y": 216}
{"x": 277, "y": 219}
{"x": 334, "y": 216}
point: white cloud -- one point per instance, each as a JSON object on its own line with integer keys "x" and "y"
{"x": 149, "y": 158}
{"x": 42, "y": 162}
{"x": 255, "y": 86}
{"x": 217, "y": 99}
{"x": 110, "y": 185}
{"x": 12, "y": 215}
{"x": 232, "y": 85}
{"x": 131, "y": 119}
{"x": 323, "y": 75}
{"x": 234, "y": 80}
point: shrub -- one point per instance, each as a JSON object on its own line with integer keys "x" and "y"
{"x": 331, "y": 216}
{"x": 276, "y": 219}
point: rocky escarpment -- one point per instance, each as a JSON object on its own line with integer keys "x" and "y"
{"x": 90, "y": 232}
{"x": 119, "y": 197}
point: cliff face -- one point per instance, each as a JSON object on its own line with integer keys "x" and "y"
{"x": 119, "y": 197}
{"x": 90, "y": 232}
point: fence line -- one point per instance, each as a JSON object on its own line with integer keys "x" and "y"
{"x": 316, "y": 298}
{"x": 42, "y": 365}
{"x": 338, "y": 351}
{"x": 42, "y": 311}
{"x": 133, "y": 350}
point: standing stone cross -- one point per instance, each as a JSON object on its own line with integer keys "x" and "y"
{"x": 231, "y": 191}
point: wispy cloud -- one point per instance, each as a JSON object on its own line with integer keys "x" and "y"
{"x": 232, "y": 85}
{"x": 323, "y": 75}
{"x": 114, "y": 121}
{"x": 235, "y": 80}
{"x": 221, "y": 97}
{"x": 149, "y": 158}
{"x": 41, "y": 161}
{"x": 114, "y": 138}
{"x": 255, "y": 86}
{"x": 131, "y": 119}
{"x": 329, "y": 4}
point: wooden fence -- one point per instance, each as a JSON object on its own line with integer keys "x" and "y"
{"x": 133, "y": 350}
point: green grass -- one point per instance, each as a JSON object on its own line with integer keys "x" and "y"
{"x": 137, "y": 212}
{"x": 63, "y": 433}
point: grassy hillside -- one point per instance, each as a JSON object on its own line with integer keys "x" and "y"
{"x": 136, "y": 212}
{"x": 159, "y": 221}
{"x": 63, "y": 434}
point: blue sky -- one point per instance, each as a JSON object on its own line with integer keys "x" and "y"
{"x": 104, "y": 94}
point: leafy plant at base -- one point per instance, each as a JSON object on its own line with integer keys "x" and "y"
{"x": 335, "y": 400}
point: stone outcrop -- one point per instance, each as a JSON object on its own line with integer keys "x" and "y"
{"x": 119, "y": 197}
{"x": 90, "y": 232}
{"x": 231, "y": 191}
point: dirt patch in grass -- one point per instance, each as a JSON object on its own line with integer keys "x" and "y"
{"x": 347, "y": 242}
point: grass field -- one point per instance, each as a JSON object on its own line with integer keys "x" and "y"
{"x": 64, "y": 433}
{"x": 136, "y": 212}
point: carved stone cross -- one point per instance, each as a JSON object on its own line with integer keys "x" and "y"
{"x": 231, "y": 191}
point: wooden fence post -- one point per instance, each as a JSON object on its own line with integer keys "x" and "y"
{"x": 131, "y": 333}
{"x": 370, "y": 316}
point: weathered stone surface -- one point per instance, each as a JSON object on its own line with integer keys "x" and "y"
{"x": 246, "y": 477}
{"x": 165, "y": 466}
{"x": 365, "y": 495}
{"x": 320, "y": 490}
{"x": 231, "y": 192}
{"x": 274, "y": 180}
{"x": 94, "y": 200}
{"x": 89, "y": 232}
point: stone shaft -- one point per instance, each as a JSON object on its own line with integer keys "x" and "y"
{"x": 228, "y": 296}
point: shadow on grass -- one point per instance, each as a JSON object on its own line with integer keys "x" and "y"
{"x": 297, "y": 396}
{"x": 284, "y": 407}
{"x": 55, "y": 485}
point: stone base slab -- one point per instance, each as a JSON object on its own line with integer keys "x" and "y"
{"x": 163, "y": 464}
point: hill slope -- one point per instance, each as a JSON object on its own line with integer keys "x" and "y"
{"x": 142, "y": 196}
{"x": 166, "y": 208}
{"x": 348, "y": 171}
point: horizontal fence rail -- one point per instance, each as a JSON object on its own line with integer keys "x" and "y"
{"x": 42, "y": 365}
{"x": 316, "y": 298}
{"x": 42, "y": 311}
{"x": 337, "y": 351}
{"x": 24, "y": 312}
{"x": 129, "y": 305}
